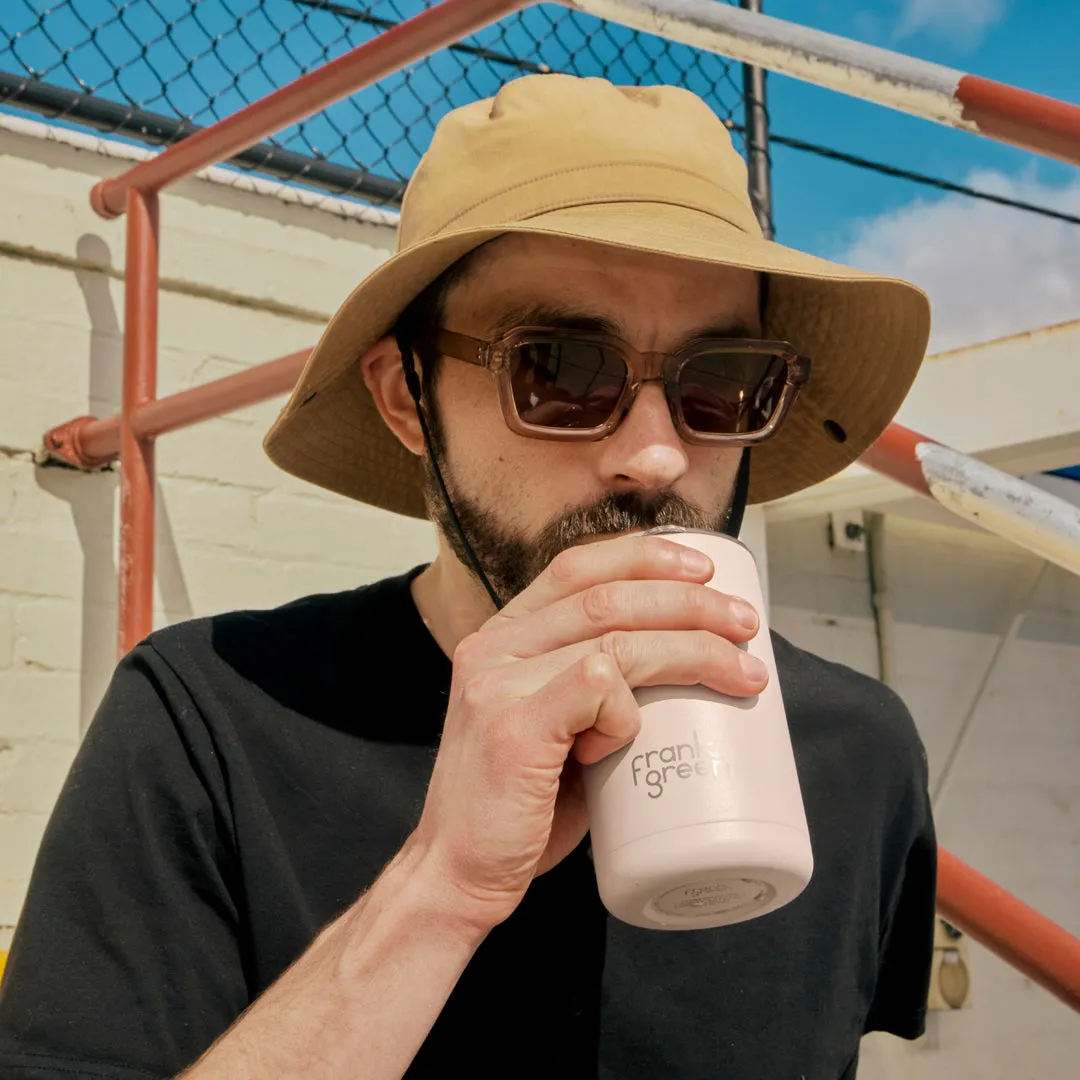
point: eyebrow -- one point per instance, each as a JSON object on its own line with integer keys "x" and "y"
{"x": 565, "y": 317}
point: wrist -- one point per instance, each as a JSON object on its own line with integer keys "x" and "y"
{"x": 437, "y": 893}
{"x": 472, "y": 907}
{"x": 414, "y": 898}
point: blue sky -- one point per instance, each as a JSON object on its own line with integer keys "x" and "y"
{"x": 1035, "y": 45}
{"x": 989, "y": 270}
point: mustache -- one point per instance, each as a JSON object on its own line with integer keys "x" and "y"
{"x": 619, "y": 512}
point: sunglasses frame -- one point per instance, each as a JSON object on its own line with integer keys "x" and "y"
{"x": 665, "y": 368}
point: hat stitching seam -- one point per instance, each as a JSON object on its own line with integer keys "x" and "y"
{"x": 621, "y": 198}
{"x": 576, "y": 169}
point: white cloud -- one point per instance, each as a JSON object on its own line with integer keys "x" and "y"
{"x": 989, "y": 270}
{"x": 962, "y": 22}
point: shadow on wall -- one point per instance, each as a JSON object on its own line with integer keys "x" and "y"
{"x": 93, "y": 498}
{"x": 106, "y": 333}
{"x": 168, "y": 573}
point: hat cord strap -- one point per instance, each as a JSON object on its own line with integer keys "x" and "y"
{"x": 733, "y": 525}
{"x": 413, "y": 383}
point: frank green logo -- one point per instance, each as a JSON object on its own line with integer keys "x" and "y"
{"x": 655, "y": 769}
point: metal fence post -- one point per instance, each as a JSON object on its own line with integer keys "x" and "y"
{"x": 756, "y": 116}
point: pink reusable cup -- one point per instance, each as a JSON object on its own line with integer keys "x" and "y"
{"x": 699, "y": 822}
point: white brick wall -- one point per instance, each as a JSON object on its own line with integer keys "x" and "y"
{"x": 7, "y": 631}
{"x": 232, "y": 530}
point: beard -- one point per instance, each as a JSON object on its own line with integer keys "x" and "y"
{"x": 512, "y": 561}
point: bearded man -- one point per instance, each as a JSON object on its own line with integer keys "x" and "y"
{"x": 347, "y": 838}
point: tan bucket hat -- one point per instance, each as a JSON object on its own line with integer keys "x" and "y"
{"x": 648, "y": 168}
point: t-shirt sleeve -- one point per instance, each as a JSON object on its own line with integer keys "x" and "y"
{"x": 127, "y": 961}
{"x": 907, "y": 941}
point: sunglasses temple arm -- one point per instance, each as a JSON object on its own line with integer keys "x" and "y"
{"x": 413, "y": 384}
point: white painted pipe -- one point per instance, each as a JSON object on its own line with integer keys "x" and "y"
{"x": 934, "y": 92}
{"x": 1019, "y": 511}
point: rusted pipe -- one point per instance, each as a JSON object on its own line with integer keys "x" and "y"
{"x": 1000, "y": 503}
{"x": 1030, "y": 942}
{"x": 89, "y": 443}
{"x": 136, "y": 557}
{"x": 383, "y": 55}
{"x": 220, "y": 396}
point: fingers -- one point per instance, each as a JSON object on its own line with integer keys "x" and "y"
{"x": 589, "y": 702}
{"x": 625, "y": 558}
{"x": 685, "y": 658}
{"x": 585, "y": 691}
{"x": 643, "y": 658}
{"x": 627, "y": 606}
{"x": 671, "y": 657}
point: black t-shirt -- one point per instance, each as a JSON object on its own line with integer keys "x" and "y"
{"x": 248, "y": 776}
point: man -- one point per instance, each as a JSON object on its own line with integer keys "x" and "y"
{"x": 583, "y": 335}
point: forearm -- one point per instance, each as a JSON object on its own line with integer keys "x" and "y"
{"x": 361, "y": 1000}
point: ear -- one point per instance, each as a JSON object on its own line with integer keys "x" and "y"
{"x": 384, "y": 377}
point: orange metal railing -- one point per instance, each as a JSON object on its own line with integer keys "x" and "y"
{"x": 89, "y": 443}
{"x": 136, "y": 192}
{"x": 1042, "y": 950}
{"x": 1021, "y": 936}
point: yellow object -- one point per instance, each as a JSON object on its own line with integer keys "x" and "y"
{"x": 950, "y": 974}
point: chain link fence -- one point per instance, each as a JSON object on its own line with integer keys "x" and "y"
{"x": 154, "y": 71}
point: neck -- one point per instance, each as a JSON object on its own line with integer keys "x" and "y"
{"x": 452, "y": 603}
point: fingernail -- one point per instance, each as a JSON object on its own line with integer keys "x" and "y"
{"x": 744, "y": 614}
{"x": 753, "y": 668}
{"x": 695, "y": 561}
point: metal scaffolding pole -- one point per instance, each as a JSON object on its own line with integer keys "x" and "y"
{"x": 758, "y": 162}
{"x": 137, "y": 478}
{"x": 1000, "y": 503}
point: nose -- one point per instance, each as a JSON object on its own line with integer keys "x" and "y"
{"x": 645, "y": 454}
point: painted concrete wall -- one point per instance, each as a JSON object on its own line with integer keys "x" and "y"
{"x": 250, "y": 279}
{"x": 983, "y": 644}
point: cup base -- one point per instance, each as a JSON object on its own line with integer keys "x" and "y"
{"x": 705, "y": 875}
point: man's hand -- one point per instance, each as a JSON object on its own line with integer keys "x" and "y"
{"x": 547, "y": 685}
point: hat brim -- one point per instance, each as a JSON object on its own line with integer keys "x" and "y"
{"x": 865, "y": 334}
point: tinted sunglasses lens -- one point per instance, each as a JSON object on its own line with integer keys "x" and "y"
{"x": 731, "y": 392}
{"x": 566, "y": 384}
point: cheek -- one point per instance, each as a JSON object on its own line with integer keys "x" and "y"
{"x": 466, "y": 400}
{"x": 524, "y": 482}
{"x": 471, "y": 419}
{"x": 483, "y": 455}
{"x": 711, "y": 475}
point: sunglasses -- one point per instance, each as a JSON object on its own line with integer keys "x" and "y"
{"x": 578, "y": 385}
